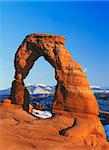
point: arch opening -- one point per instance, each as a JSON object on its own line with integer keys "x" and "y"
{"x": 41, "y": 84}
{"x": 41, "y": 73}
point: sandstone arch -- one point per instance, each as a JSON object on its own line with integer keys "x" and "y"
{"x": 73, "y": 92}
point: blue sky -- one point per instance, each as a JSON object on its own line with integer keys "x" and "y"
{"x": 85, "y": 26}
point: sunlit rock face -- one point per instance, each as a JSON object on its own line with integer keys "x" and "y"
{"x": 73, "y": 92}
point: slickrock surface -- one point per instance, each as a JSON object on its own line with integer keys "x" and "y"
{"x": 21, "y": 131}
{"x": 73, "y": 92}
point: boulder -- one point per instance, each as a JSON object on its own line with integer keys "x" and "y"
{"x": 6, "y": 101}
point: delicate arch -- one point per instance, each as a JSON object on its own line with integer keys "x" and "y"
{"x": 72, "y": 91}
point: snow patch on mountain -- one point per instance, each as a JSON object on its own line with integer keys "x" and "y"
{"x": 40, "y": 90}
{"x": 94, "y": 86}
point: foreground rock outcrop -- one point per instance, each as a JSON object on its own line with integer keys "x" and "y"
{"x": 73, "y": 92}
{"x": 21, "y": 131}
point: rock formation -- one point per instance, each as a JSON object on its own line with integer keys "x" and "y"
{"x": 19, "y": 93}
{"x": 73, "y": 92}
{"x": 21, "y": 131}
{"x": 73, "y": 99}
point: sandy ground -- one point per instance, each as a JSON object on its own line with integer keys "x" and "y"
{"x": 22, "y": 131}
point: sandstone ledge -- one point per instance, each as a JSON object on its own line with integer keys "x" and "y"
{"x": 20, "y": 130}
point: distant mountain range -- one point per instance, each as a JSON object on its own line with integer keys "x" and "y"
{"x": 98, "y": 89}
{"x": 50, "y": 90}
{"x": 5, "y": 92}
{"x": 34, "y": 89}
{"x": 41, "y": 89}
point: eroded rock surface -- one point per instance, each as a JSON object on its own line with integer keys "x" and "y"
{"x": 21, "y": 131}
{"x": 73, "y": 92}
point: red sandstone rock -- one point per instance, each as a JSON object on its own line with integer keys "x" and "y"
{"x": 6, "y": 101}
{"x": 30, "y": 108}
{"x": 73, "y": 92}
{"x": 19, "y": 93}
{"x": 21, "y": 131}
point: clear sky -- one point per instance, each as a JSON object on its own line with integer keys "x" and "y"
{"x": 84, "y": 24}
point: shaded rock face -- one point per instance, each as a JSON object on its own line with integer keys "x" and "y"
{"x": 73, "y": 92}
{"x": 17, "y": 92}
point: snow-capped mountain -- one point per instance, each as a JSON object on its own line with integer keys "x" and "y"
{"x": 41, "y": 89}
{"x": 50, "y": 90}
{"x": 34, "y": 89}
{"x": 98, "y": 89}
